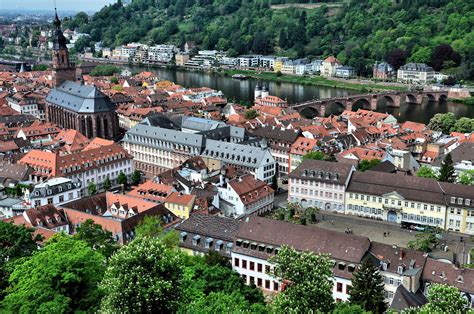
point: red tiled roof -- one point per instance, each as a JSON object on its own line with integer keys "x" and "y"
{"x": 181, "y": 199}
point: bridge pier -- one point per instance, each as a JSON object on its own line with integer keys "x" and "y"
{"x": 322, "y": 110}
{"x": 393, "y": 101}
{"x": 373, "y": 103}
{"x": 414, "y": 99}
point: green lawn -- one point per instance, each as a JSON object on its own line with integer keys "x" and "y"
{"x": 314, "y": 80}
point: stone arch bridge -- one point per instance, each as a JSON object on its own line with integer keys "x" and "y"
{"x": 369, "y": 101}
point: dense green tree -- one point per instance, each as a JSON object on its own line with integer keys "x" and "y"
{"x": 62, "y": 277}
{"x": 136, "y": 177}
{"x": 445, "y": 299}
{"x": 412, "y": 26}
{"x": 310, "y": 214}
{"x": 366, "y": 164}
{"x": 17, "y": 242}
{"x": 463, "y": 125}
{"x": 40, "y": 67}
{"x": 446, "y": 172}
{"x": 98, "y": 239}
{"x": 105, "y": 70}
{"x": 315, "y": 155}
{"x": 307, "y": 281}
{"x": 220, "y": 302}
{"x": 151, "y": 226}
{"x": 426, "y": 240}
{"x": 122, "y": 179}
{"x": 144, "y": 276}
{"x": 368, "y": 288}
{"x": 466, "y": 177}
{"x": 92, "y": 188}
{"x": 426, "y": 172}
{"x": 107, "y": 184}
{"x": 442, "y": 122}
{"x": 114, "y": 80}
{"x": 251, "y": 114}
{"x": 348, "y": 308}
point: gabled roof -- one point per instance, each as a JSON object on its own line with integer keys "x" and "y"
{"x": 80, "y": 98}
{"x": 340, "y": 246}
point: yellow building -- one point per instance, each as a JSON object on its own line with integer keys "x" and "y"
{"x": 163, "y": 84}
{"x": 180, "y": 204}
{"x": 278, "y": 65}
{"x": 409, "y": 201}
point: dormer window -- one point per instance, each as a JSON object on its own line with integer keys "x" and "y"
{"x": 400, "y": 270}
{"x": 196, "y": 240}
{"x": 460, "y": 201}
{"x": 182, "y": 236}
{"x": 228, "y": 247}
{"x": 209, "y": 242}
{"x": 453, "y": 200}
{"x": 253, "y": 246}
{"x": 219, "y": 244}
{"x": 341, "y": 265}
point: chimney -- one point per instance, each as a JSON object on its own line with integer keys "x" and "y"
{"x": 401, "y": 254}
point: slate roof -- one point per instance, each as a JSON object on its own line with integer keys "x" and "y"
{"x": 409, "y": 187}
{"x": 234, "y": 153}
{"x": 277, "y": 134}
{"x": 404, "y": 299}
{"x": 465, "y": 151}
{"x": 54, "y": 186}
{"x": 17, "y": 172}
{"x": 421, "y": 67}
{"x": 312, "y": 169}
{"x": 441, "y": 272}
{"x": 80, "y": 98}
{"x": 158, "y": 134}
{"x": 345, "y": 247}
{"x": 211, "y": 226}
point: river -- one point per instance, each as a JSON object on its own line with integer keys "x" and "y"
{"x": 243, "y": 90}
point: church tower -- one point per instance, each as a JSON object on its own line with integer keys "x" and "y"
{"x": 63, "y": 69}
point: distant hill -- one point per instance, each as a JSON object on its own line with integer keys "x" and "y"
{"x": 357, "y": 32}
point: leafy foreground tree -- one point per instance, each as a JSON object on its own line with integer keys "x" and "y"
{"x": 445, "y": 299}
{"x": 347, "y": 308}
{"x": 307, "y": 281}
{"x": 97, "y": 238}
{"x": 17, "y": 242}
{"x": 442, "y": 299}
{"x": 219, "y": 302}
{"x": 446, "y": 173}
{"x": 150, "y": 226}
{"x": 144, "y": 276}
{"x": 204, "y": 276}
{"x": 62, "y": 277}
{"x": 442, "y": 122}
{"x": 426, "y": 172}
{"x": 368, "y": 288}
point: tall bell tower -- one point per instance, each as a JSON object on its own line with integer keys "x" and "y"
{"x": 63, "y": 69}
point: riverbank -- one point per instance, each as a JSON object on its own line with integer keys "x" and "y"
{"x": 466, "y": 101}
{"x": 363, "y": 87}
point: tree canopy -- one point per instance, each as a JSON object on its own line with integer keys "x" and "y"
{"x": 368, "y": 288}
{"x": 366, "y": 164}
{"x": 62, "y": 277}
{"x": 97, "y": 238}
{"x": 306, "y": 281}
{"x": 144, "y": 276}
{"x": 435, "y": 32}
